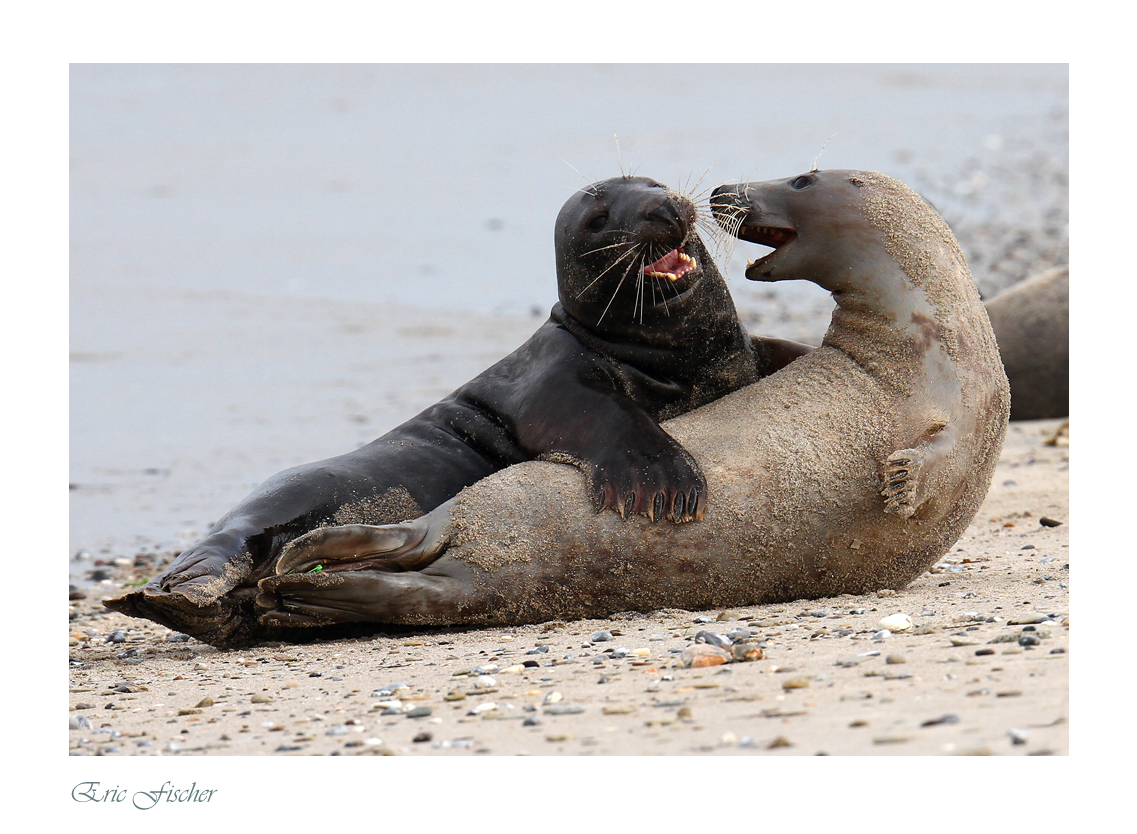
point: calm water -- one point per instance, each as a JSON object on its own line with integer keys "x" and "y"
{"x": 438, "y": 185}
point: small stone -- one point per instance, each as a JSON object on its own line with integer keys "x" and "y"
{"x": 419, "y": 712}
{"x": 1029, "y": 640}
{"x": 947, "y": 718}
{"x": 204, "y": 702}
{"x": 117, "y": 637}
{"x": 896, "y": 622}
{"x": 552, "y": 697}
{"x": 702, "y": 654}
{"x": 79, "y": 722}
{"x": 883, "y": 634}
{"x": 712, "y": 639}
{"x": 895, "y": 658}
{"x": 531, "y": 721}
{"x": 1045, "y": 521}
{"x": 486, "y": 682}
{"x": 1018, "y": 736}
{"x": 796, "y": 683}
{"x": 746, "y": 651}
{"x": 703, "y": 618}
{"x": 780, "y": 741}
{"x": 423, "y": 736}
{"x": 563, "y": 709}
{"x": 261, "y": 698}
{"x": 602, "y": 637}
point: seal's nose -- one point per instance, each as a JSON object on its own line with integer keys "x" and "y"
{"x": 669, "y": 216}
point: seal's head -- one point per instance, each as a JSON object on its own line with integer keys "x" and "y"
{"x": 814, "y": 221}
{"x": 627, "y": 250}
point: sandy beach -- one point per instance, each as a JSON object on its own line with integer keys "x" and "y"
{"x": 253, "y": 304}
{"x": 981, "y": 667}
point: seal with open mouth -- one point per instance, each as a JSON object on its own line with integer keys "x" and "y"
{"x": 852, "y": 469}
{"x": 645, "y": 330}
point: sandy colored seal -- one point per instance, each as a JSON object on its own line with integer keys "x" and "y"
{"x": 1032, "y": 325}
{"x": 852, "y": 469}
{"x": 645, "y": 329}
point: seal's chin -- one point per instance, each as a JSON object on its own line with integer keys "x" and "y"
{"x": 776, "y": 236}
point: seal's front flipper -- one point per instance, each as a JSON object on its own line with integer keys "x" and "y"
{"x": 901, "y": 475}
{"x": 663, "y": 482}
{"x": 353, "y": 547}
{"x": 908, "y": 475}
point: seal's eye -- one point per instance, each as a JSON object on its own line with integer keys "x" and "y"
{"x": 596, "y": 223}
{"x": 798, "y": 183}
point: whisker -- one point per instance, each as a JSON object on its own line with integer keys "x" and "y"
{"x": 631, "y": 251}
{"x": 616, "y": 291}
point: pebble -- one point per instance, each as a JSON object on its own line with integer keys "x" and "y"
{"x": 1045, "y": 521}
{"x": 486, "y": 682}
{"x": 563, "y": 709}
{"x": 552, "y": 697}
{"x": 895, "y": 622}
{"x": 1018, "y": 736}
{"x": 531, "y": 721}
{"x": 117, "y": 637}
{"x": 79, "y": 722}
{"x": 746, "y": 651}
{"x": 713, "y": 639}
{"x": 419, "y": 712}
{"x": 261, "y": 698}
{"x": 423, "y": 736}
{"x": 620, "y": 652}
{"x": 883, "y": 634}
{"x": 796, "y": 683}
{"x": 946, "y": 718}
{"x": 702, "y": 654}
{"x": 896, "y": 658}
{"x": 703, "y": 618}
{"x": 602, "y": 637}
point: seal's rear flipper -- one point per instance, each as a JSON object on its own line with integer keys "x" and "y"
{"x": 352, "y": 547}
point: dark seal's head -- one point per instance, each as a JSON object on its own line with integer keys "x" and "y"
{"x": 628, "y": 257}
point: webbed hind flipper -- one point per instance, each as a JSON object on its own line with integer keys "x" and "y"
{"x": 387, "y": 547}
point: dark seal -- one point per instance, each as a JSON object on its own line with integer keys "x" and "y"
{"x": 645, "y": 330}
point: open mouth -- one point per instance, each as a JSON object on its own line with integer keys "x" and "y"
{"x": 775, "y": 236}
{"x": 672, "y": 266}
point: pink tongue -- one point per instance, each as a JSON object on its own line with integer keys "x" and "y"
{"x": 668, "y": 263}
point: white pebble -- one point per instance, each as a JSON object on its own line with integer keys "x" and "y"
{"x": 896, "y": 622}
